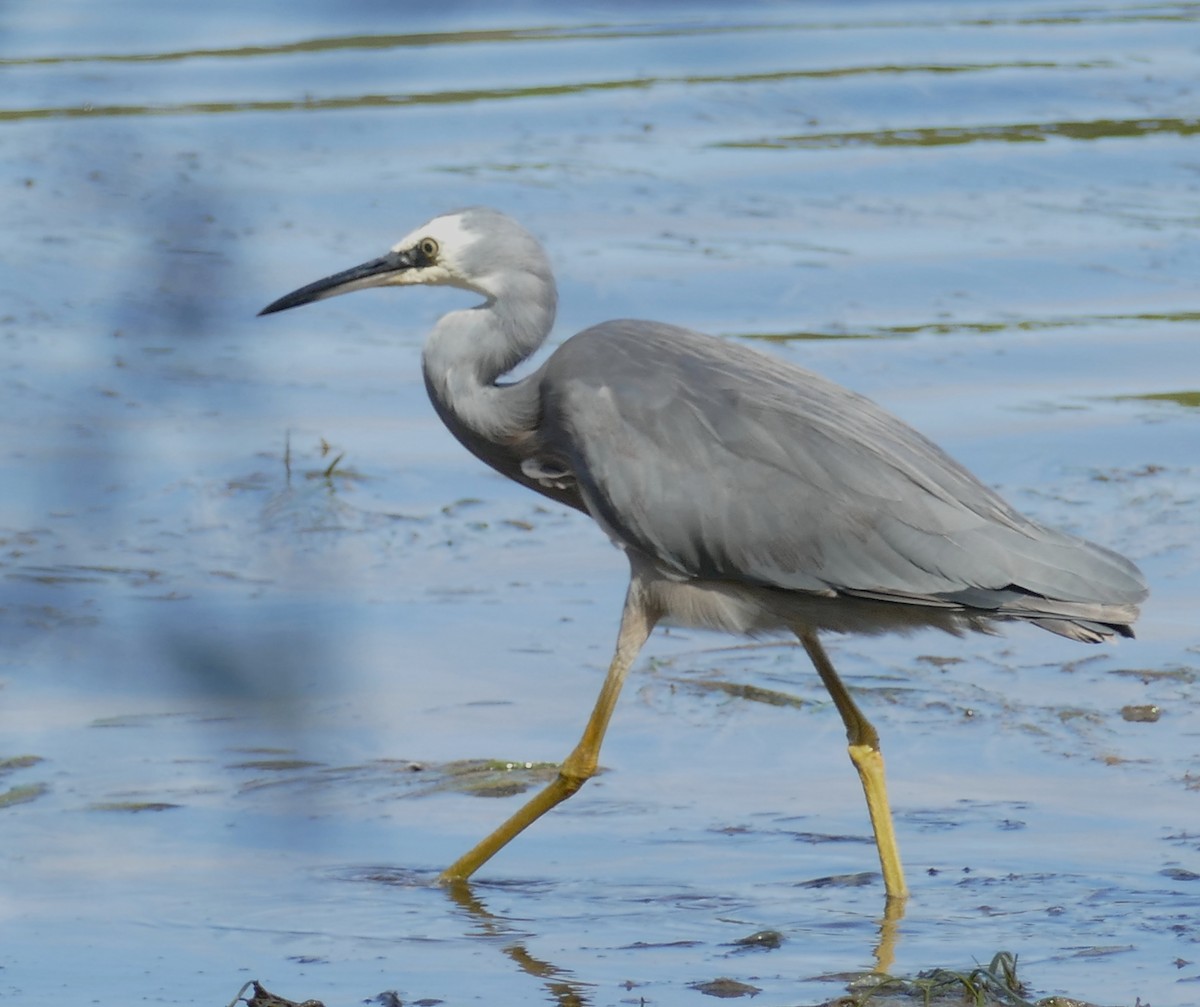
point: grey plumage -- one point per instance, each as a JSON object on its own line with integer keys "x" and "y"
{"x": 768, "y": 475}
{"x": 749, "y": 495}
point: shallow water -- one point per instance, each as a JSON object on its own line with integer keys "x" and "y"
{"x": 260, "y": 606}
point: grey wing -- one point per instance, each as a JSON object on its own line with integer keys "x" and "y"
{"x": 722, "y": 463}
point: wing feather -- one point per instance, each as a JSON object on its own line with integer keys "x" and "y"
{"x": 719, "y": 462}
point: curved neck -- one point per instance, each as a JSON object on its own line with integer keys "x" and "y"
{"x": 467, "y": 352}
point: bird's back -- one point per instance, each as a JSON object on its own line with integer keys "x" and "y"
{"x": 720, "y": 464}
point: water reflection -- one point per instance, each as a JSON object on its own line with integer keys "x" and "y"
{"x": 565, "y": 989}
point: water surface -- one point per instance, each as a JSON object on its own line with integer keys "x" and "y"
{"x": 260, "y": 607}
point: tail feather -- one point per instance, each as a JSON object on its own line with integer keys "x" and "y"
{"x": 1085, "y": 621}
{"x": 1084, "y": 631}
{"x": 1088, "y": 622}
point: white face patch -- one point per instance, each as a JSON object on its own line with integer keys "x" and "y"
{"x": 452, "y": 239}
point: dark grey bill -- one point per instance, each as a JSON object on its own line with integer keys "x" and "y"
{"x": 369, "y": 274}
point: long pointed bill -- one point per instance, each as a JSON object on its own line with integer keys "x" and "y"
{"x": 369, "y": 274}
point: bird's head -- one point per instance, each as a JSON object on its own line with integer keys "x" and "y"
{"x": 476, "y": 249}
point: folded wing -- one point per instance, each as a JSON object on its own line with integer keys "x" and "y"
{"x": 722, "y": 463}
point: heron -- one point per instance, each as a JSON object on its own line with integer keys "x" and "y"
{"x": 748, "y": 494}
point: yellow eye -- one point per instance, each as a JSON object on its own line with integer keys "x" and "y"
{"x": 427, "y": 247}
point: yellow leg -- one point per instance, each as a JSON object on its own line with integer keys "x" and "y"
{"x": 637, "y": 621}
{"x": 868, "y": 760}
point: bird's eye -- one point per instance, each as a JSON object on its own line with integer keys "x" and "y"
{"x": 427, "y": 247}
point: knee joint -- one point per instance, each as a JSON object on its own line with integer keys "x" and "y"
{"x": 573, "y": 775}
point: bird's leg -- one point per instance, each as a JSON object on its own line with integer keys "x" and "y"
{"x": 637, "y": 620}
{"x": 868, "y": 760}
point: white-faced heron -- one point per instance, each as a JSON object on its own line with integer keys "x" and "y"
{"x": 748, "y": 494}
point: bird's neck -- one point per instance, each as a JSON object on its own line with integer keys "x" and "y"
{"x": 468, "y": 351}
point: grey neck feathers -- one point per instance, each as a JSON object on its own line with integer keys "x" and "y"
{"x": 468, "y": 351}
